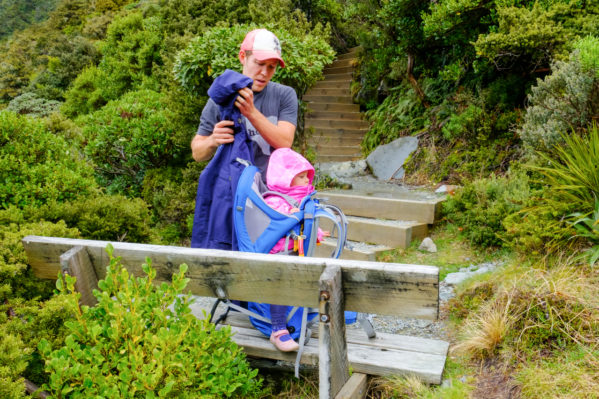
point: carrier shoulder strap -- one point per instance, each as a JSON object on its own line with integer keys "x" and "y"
{"x": 290, "y": 200}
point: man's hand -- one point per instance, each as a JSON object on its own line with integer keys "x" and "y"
{"x": 245, "y": 102}
{"x": 203, "y": 147}
{"x": 222, "y": 133}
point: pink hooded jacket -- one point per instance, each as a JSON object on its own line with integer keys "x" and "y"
{"x": 283, "y": 166}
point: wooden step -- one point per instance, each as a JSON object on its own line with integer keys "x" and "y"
{"x": 343, "y": 62}
{"x": 352, "y": 251}
{"x": 317, "y": 139}
{"x": 344, "y": 76}
{"x": 335, "y": 123}
{"x": 338, "y": 107}
{"x": 323, "y": 158}
{"x": 328, "y": 99}
{"x": 329, "y": 70}
{"x": 420, "y": 210}
{"x": 336, "y": 132}
{"x": 392, "y": 233}
{"x": 328, "y": 91}
{"x": 353, "y": 116}
{"x": 384, "y": 355}
{"x": 333, "y": 84}
{"x": 352, "y": 53}
{"x": 325, "y": 149}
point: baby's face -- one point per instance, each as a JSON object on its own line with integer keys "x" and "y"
{"x": 301, "y": 179}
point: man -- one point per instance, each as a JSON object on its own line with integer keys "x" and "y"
{"x": 268, "y": 113}
{"x": 269, "y": 108}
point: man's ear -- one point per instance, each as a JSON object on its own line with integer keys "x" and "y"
{"x": 242, "y": 57}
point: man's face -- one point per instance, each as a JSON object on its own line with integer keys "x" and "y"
{"x": 260, "y": 71}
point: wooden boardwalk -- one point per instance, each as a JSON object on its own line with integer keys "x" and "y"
{"x": 383, "y": 355}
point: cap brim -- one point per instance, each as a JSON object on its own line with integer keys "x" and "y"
{"x": 264, "y": 55}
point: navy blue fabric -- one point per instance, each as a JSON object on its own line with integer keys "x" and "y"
{"x": 213, "y": 217}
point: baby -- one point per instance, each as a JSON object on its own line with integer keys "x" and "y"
{"x": 291, "y": 174}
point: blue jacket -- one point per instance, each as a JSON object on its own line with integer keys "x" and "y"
{"x": 213, "y": 218}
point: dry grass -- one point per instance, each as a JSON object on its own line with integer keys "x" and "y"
{"x": 538, "y": 309}
{"x": 396, "y": 387}
{"x": 483, "y": 333}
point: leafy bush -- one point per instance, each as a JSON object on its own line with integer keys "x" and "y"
{"x": 400, "y": 114}
{"x": 564, "y": 101}
{"x": 37, "y": 166}
{"x": 480, "y": 207}
{"x": 531, "y": 36}
{"x": 132, "y": 343}
{"x": 129, "y": 136}
{"x": 571, "y": 176}
{"x": 131, "y": 53}
{"x": 217, "y": 49}
{"x": 29, "y": 103}
{"x": 16, "y": 278}
{"x": 171, "y": 194}
{"x": 105, "y": 217}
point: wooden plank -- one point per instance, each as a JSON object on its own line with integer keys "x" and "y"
{"x": 76, "y": 261}
{"x": 362, "y": 358}
{"x": 355, "y": 388}
{"x": 369, "y": 287}
{"x": 333, "y": 366}
{"x": 357, "y": 336}
{"x": 424, "y": 211}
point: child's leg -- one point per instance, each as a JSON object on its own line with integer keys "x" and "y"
{"x": 280, "y": 336}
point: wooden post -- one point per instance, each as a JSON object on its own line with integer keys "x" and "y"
{"x": 76, "y": 262}
{"x": 333, "y": 364}
{"x": 355, "y": 388}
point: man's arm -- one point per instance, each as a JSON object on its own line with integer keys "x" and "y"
{"x": 279, "y": 135}
{"x": 203, "y": 147}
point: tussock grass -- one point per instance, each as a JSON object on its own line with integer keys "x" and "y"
{"x": 538, "y": 309}
{"x": 573, "y": 375}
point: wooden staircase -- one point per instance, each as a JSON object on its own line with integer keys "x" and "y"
{"x": 335, "y": 122}
{"x": 379, "y": 221}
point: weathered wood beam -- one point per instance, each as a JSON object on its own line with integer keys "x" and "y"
{"x": 355, "y": 388}
{"x": 333, "y": 365}
{"x": 383, "y": 288}
{"x": 76, "y": 262}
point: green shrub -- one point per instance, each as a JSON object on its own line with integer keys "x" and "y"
{"x": 564, "y": 101}
{"x": 37, "y": 166}
{"x": 133, "y": 343}
{"x": 87, "y": 93}
{"x": 479, "y": 208}
{"x": 571, "y": 177}
{"x": 16, "y": 279}
{"x": 105, "y": 217}
{"x": 171, "y": 193}
{"x": 130, "y": 135}
{"x": 400, "y": 114}
{"x": 29, "y": 103}
{"x": 217, "y": 49}
{"x": 24, "y": 320}
{"x": 539, "y": 227}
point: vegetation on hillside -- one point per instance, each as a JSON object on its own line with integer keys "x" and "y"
{"x": 99, "y": 101}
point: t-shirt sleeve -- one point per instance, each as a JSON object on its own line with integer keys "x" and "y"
{"x": 288, "y": 109}
{"x": 210, "y": 117}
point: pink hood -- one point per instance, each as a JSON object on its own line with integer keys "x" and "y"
{"x": 283, "y": 166}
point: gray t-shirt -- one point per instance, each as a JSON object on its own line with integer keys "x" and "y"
{"x": 276, "y": 102}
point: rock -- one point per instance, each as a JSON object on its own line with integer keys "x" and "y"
{"x": 456, "y": 278}
{"x": 446, "y": 189}
{"x": 386, "y": 161}
{"x": 428, "y": 245}
{"x": 340, "y": 170}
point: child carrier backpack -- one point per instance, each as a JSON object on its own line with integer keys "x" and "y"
{"x": 259, "y": 227}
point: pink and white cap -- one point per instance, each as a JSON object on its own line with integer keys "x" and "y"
{"x": 263, "y": 44}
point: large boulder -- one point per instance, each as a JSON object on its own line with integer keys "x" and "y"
{"x": 386, "y": 161}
